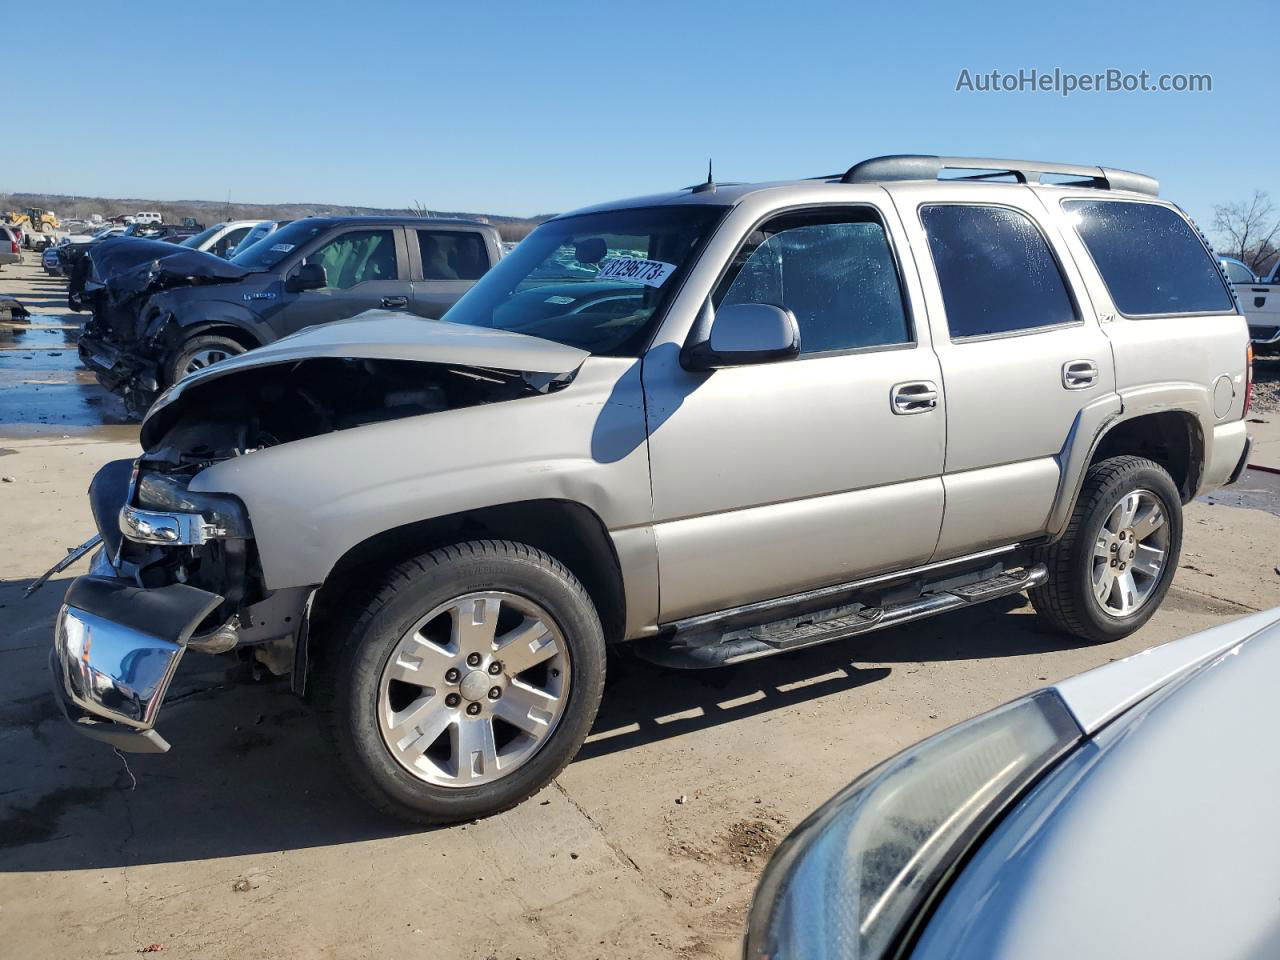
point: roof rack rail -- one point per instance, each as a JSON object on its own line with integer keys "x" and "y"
{"x": 908, "y": 166}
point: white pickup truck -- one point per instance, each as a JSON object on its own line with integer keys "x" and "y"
{"x": 1260, "y": 301}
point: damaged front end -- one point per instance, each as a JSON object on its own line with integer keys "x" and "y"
{"x": 179, "y": 568}
{"x": 116, "y": 283}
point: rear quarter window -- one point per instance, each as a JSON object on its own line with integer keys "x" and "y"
{"x": 1152, "y": 261}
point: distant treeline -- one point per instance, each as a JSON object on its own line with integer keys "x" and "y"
{"x": 214, "y": 211}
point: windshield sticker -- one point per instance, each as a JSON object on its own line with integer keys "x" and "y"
{"x": 559, "y": 300}
{"x": 281, "y": 247}
{"x": 652, "y": 273}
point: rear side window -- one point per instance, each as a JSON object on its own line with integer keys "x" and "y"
{"x": 835, "y": 272}
{"x": 452, "y": 255}
{"x": 996, "y": 271}
{"x": 1150, "y": 258}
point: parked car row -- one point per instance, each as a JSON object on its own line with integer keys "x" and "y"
{"x": 159, "y": 315}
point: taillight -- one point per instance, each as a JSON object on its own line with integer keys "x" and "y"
{"x": 1248, "y": 380}
{"x": 13, "y": 246}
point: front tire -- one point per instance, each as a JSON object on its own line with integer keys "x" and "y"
{"x": 1112, "y": 568}
{"x": 467, "y": 682}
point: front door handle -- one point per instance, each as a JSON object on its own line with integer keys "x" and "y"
{"x": 395, "y": 303}
{"x": 916, "y": 396}
{"x": 1079, "y": 374}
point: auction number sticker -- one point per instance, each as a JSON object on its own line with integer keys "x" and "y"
{"x": 652, "y": 273}
{"x": 281, "y": 247}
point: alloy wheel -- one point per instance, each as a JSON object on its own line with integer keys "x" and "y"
{"x": 204, "y": 358}
{"x": 474, "y": 689}
{"x": 1130, "y": 553}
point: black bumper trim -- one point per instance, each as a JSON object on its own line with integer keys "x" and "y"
{"x": 1244, "y": 462}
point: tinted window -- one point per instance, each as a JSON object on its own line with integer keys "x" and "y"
{"x": 836, "y": 275}
{"x": 1151, "y": 259}
{"x": 996, "y": 271}
{"x": 452, "y": 255}
{"x": 357, "y": 256}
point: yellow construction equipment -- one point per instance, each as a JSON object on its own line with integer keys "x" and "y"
{"x": 34, "y": 219}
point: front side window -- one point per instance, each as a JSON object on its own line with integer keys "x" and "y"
{"x": 452, "y": 255}
{"x": 599, "y": 281}
{"x": 996, "y": 271}
{"x": 230, "y": 241}
{"x": 1150, "y": 259}
{"x": 834, "y": 271}
{"x": 358, "y": 256}
{"x": 195, "y": 241}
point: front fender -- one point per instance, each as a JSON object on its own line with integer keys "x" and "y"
{"x": 312, "y": 500}
{"x": 168, "y": 317}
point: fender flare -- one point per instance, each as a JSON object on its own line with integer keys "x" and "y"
{"x": 1098, "y": 419}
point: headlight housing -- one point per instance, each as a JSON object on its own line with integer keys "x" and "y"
{"x": 167, "y": 513}
{"x": 854, "y": 879}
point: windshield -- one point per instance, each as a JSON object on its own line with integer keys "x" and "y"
{"x": 598, "y": 282}
{"x": 201, "y": 237}
{"x": 270, "y": 250}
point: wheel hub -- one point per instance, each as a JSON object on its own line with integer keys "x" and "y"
{"x": 475, "y": 686}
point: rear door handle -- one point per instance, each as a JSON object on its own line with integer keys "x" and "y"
{"x": 1079, "y": 374}
{"x": 395, "y": 303}
{"x": 915, "y": 396}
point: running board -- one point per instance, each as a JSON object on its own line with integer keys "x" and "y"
{"x": 699, "y": 651}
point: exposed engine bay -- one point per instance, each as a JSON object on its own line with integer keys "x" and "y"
{"x": 281, "y": 403}
{"x": 265, "y": 407}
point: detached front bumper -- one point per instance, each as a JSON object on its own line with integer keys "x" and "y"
{"x": 115, "y": 649}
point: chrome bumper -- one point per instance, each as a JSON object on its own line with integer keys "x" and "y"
{"x": 115, "y": 649}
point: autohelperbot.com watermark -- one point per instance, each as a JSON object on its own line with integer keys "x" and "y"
{"x": 1066, "y": 82}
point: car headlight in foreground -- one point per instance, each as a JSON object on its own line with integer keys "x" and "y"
{"x": 855, "y": 878}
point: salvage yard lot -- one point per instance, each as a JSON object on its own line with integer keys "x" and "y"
{"x": 242, "y": 841}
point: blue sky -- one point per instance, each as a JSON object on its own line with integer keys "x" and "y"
{"x": 524, "y": 108}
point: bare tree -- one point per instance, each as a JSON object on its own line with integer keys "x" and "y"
{"x": 1248, "y": 231}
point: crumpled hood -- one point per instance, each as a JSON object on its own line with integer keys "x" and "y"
{"x": 383, "y": 335}
{"x": 122, "y": 268}
{"x": 117, "y": 255}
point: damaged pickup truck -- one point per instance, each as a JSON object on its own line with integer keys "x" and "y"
{"x": 161, "y": 314}
{"x": 719, "y": 424}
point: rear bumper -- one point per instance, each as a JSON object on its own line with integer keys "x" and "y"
{"x": 115, "y": 649}
{"x": 1228, "y": 449}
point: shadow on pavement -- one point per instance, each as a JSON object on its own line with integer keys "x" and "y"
{"x": 249, "y": 771}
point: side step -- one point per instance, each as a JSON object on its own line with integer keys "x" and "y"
{"x": 714, "y": 649}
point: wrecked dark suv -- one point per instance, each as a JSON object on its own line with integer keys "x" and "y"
{"x": 159, "y": 315}
{"x": 718, "y": 424}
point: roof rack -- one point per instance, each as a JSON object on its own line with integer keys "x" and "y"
{"x": 907, "y": 166}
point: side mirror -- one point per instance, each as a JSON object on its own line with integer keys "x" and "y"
{"x": 742, "y": 333}
{"x": 310, "y": 276}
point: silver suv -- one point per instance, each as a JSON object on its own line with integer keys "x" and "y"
{"x": 717, "y": 424}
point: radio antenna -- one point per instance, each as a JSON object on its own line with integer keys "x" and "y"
{"x": 710, "y": 185}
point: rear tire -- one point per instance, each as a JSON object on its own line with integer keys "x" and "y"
{"x": 409, "y": 695}
{"x": 1113, "y": 566}
{"x": 198, "y": 353}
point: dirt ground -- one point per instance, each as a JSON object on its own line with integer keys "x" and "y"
{"x": 241, "y": 842}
